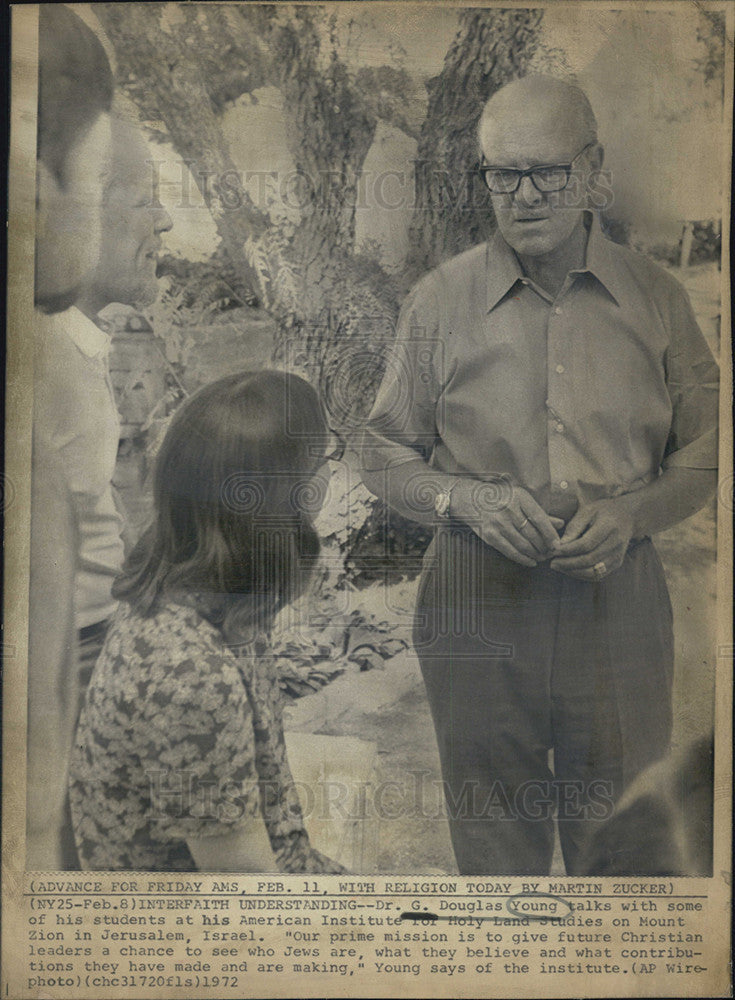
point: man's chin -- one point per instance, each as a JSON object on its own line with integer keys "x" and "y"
{"x": 147, "y": 296}
{"x": 538, "y": 237}
{"x": 57, "y": 302}
{"x": 535, "y": 244}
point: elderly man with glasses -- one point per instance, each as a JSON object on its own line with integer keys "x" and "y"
{"x": 550, "y": 403}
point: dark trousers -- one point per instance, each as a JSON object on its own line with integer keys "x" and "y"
{"x": 517, "y": 662}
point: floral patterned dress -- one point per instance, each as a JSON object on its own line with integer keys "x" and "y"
{"x": 181, "y": 736}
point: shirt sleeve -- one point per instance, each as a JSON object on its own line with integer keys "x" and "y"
{"x": 402, "y": 423}
{"x": 199, "y": 750}
{"x": 53, "y": 677}
{"x": 693, "y": 384}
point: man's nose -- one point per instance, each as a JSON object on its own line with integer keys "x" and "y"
{"x": 527, "y": 193}
{"x": 162, "y": 222}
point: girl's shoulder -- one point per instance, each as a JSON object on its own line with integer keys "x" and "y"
{"x": 172, "y": 656}
{"x": 185, "y": 628}
{"x": 173, "y": 641}
{"x": 169, "y": 625}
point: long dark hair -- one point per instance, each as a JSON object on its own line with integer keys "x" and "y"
{"x": 231, "y": 494}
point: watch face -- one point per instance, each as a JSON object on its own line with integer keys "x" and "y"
{"x": 441, "y": 505}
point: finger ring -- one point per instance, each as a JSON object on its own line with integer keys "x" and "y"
{"x": 599, "y": 568}
{"x": 523, "y": 524}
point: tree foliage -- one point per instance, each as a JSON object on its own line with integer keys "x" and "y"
{"x": 711, "y": 33}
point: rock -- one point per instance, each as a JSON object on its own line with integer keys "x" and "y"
{"x": 335, "y": 777}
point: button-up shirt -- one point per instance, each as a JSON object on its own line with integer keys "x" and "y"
{"x": 580, "y": 397}
{"x": 75, "y": 420}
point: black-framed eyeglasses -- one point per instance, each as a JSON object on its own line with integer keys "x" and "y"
{"x": 546, "y": 178}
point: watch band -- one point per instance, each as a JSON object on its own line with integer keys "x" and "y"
{"x": 443, "y": 500}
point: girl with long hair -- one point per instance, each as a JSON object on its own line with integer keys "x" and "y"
{"x": 179, "y": 761}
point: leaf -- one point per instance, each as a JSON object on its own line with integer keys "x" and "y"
{"x": 391, "y": 647}
{"x": 367, "y": 657}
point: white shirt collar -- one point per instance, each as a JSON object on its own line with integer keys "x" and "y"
{"x": 85, "y": 334}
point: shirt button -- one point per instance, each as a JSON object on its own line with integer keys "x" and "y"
{"x": 558, "y": 310}
{"x": 560, "y": 428}
{"x": 564, "y": 485}
{"x": 560, "y": 369}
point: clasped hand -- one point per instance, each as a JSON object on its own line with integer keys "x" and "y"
{"x": 518, "y": 527}
{"x": 592, "y": 546}
{"x": 595, "y": 540}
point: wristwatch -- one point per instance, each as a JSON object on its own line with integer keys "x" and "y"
{"x": 442, "y": 501}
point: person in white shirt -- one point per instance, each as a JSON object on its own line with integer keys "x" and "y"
{"x": 133, "y": 220}
{"x": 75, "y": 413}
{"x": 75, "y": 90}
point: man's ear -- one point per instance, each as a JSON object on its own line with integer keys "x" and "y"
{"x": 597, "y": 157}
{"x": 598, "y": 185}
{"x": 46, "y": 182}
{"x": 49, "y": 195}
{"x": 57, "y": 271}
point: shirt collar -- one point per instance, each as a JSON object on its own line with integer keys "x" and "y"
{"x": 601, "y": 260}
{"x": 504, "y": 270}
{"x": 85, "y": 334}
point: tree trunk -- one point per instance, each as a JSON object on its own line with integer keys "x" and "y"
{"x": 329, "y": 128}
{"x": 453, "y": 208}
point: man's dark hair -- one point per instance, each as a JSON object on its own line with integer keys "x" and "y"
{"x": 75, "y": 84}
